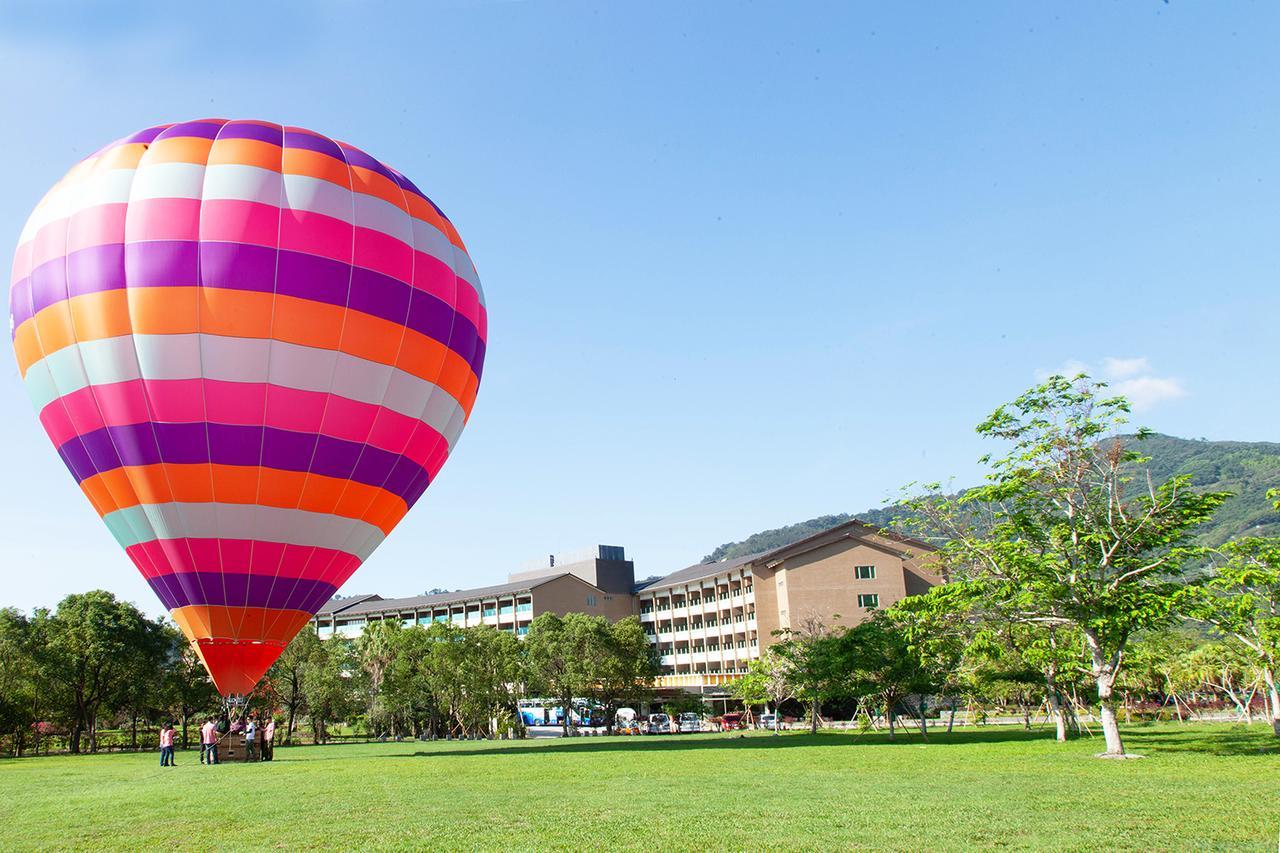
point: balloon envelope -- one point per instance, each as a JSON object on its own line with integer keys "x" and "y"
{"x": 254, "y": 347}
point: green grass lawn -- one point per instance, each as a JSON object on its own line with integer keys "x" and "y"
{"x": 1199, "y": 787}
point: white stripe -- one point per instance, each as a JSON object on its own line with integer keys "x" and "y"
{"x": 380, "y": 215}
{"x": 105, "y": 186}
{"x": 195, "y": 356}
{"x": 167, "y": 180}
{"x": 215, "y": 520}
{"x": 233, "y": 181}
{"x": 303, "y": 192}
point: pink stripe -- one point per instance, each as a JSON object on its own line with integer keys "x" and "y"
{"x": 163, "y": 219}
{"x": 243, "y": 403}
{"x": 174, "y": 556}
{"x": 97, "y": 226}
{"x": 235, "y": 221}
{"x": 383, "y": 253}
{"x": 316, "y": 234}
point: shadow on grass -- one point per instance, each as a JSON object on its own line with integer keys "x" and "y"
{"x": 728, "y": 742}
{"x": 1238, "y": 740}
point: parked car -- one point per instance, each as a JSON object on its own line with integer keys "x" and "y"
{"x": 768, "y": 721}
{"x": 659, "y": 724}
{"x": 690, "y": 723}
{"x": 731, "y": 722}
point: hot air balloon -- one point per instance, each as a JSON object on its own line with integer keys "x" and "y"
{"x": 254, "y": 347}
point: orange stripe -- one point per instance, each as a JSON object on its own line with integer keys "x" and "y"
{"x": 243, "y": 484}
{"x": 371, "y": 183}
{"x": 300, "y": 161}
{"x": 179, "y": 149}
{"x": 246, "y": 152}
{"x": 200, "y": 622}
{"x": 246, "y": 314}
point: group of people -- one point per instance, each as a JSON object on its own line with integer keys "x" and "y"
{"x": 259, "y": 740}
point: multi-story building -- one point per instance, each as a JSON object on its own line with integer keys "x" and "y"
{"x": 707, "y": 622}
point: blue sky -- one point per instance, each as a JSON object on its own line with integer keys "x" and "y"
{"x": 745, "y": 263}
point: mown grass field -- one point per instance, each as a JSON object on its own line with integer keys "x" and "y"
{"x": 1199, "y": 787}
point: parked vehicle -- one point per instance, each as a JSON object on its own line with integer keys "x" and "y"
{"x": 659, "y": 724}
{"x": 768, "y": 721}
{"x": 690, "y": 723}
{"x": 731, "y": 722}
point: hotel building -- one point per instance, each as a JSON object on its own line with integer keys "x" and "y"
{"x": 707, "y": 622}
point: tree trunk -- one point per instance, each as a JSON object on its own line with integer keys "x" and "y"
{"x": 813, "y": 717}
{"x": 951, "y": 720}
{"x": 924, "y": 723}
{"x": 888, "y": 712}
{"x": 73, "y": 743}
{"x": 288, "y": 730}
{"x": 133, "y": 741}
{"x": 1274, "y": 693}
{"x": 1059, "y": 716}
{"x": 1104, "y": 671}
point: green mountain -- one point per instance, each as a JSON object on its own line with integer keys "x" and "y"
{"x": 1246, "y": 469}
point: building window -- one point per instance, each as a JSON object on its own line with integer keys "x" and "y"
{"x": 491, "y": 610}
{"x": 522, "y": 630}
{"x": 524, "y": 607}
{"x": 646, "y": 608}
{"x": 868, "y": 599}
{"x": 591, "y": 601}
{"x": 864, "y": 573}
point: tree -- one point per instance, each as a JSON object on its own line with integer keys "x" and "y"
{"x": 1075, "y": 538}
{"x": 90, "y": 645}
{"x": 289, "y": 674}
{"x": 768, "y": 679}
{"x": 559, "y": 650}
{"x": 875, "y": 661}
{"x": 811, "y": 673}
{"x": 376, "y": 649}
{"x": 329, "y": 685}
{"x": 20, "y": 681}
{"x": 1242, "y": 601}
{"x": 626, "y": 668}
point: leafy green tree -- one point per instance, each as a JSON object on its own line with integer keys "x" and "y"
{"x": 559, "y": 652}
{"x": 875, "y": 662}
{"x": 406, "y": 687}
{"x": 376, "y": 649}
{"x": 91, "y": 645}
{"x": 624, "y": 671}
{"x": 812, "y": 673}
{"x": 1072, "y": 535}
{"x": 289, "y": 675}
{"x": 1242, "y": 601}
{"x": 329, "y": 686}
{"x": 20, "y": 677}
{"x": 767, "y": 679}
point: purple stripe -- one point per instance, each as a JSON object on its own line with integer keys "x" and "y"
{"x": 271, "y": 133}
{"x": 234, "y": 589}
{"x": 202, "y": 129}
{"x": 356, "y": 157}
{"x": 108, "y": 448}
{"x": 298, "y": 137}
{"x": 242, "y": 266}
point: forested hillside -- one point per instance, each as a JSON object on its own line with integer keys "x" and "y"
{"x": 1246, "y": 469}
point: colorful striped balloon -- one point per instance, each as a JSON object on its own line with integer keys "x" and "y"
{"x": 253, "y": 347}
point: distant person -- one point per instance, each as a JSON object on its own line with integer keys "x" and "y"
{"x": 209, "y": 741}
{"x": 268, "y": 740}
{"x": 250, "y": 738}
{"x": 166, "y": 745}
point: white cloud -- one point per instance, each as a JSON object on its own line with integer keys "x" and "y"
{"x": 1132, "y": 378}
{"x": 1146, "y": 392}
{"x": 1125, "y": 368}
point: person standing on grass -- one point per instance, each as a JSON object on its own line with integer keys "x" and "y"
{"x": 209, "y": 741}
{"x": 250, "y": 736}
{"x": 268, "y": 740}
{"x": 166, "y": 745}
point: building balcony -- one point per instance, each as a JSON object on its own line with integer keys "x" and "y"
{"x": 647, "y": 617}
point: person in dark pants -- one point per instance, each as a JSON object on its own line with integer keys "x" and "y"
{"x": 166, "y": 745}
{"x": 209, "y": 741}
{"x": 268, "y": 740}
{"x": 250, "y": 738}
